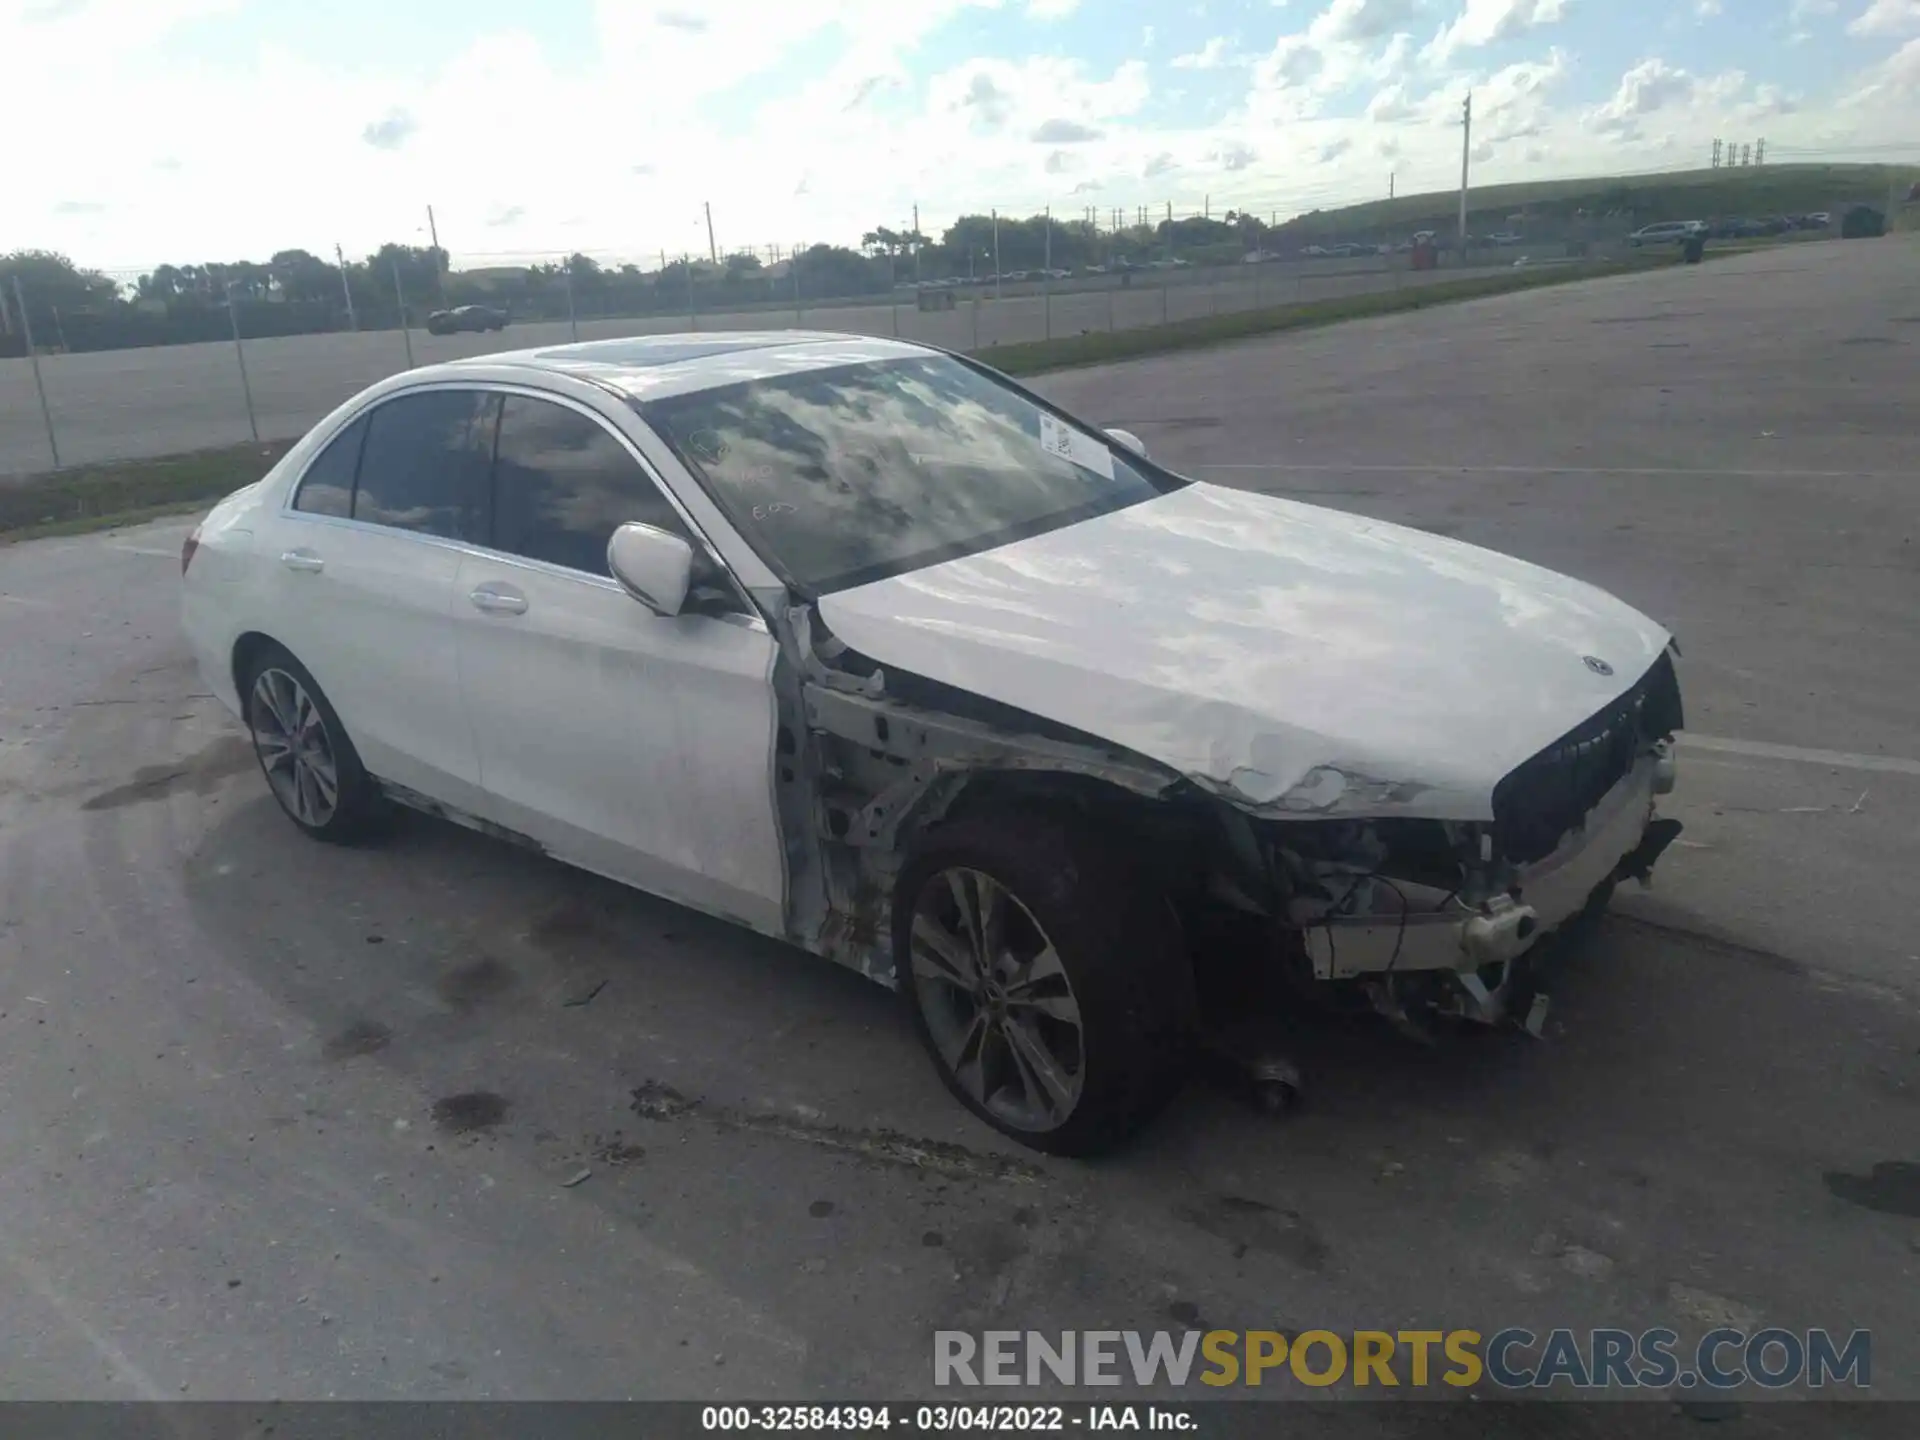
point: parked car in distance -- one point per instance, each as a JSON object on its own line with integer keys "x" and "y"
{"x": 726, "y": 617}
{"x": 1506, "y": 237}
{"x": 1666, "y": 232}
{"x": 472, "y": 319}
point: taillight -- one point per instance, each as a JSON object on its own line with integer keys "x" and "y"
{"x": 186, "y": 550}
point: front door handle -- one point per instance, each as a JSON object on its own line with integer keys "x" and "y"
{"x": 499, "y": 600}
{"x": 304, "y": 561}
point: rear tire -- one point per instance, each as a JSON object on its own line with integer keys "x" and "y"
{"x": 1079, "y": 1026}
{"x": 305, "y": 755}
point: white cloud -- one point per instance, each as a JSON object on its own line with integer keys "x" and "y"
{"x": 1350, "y": 43}
{"x": 1051, "y": 9}
{"x": 1350, "y": 21}
{"x": 1488, "y": 22}
{"x": 1650, "y": 86}
{"x": 1065, "y": 132}
{"x": 1895, "y": 79}
{"x": 1390, "y": 105}
{"x": 1708, "y": 9}
{"x": 1210, "y": 56}
{"x": 1887, "y": 17}
{"x": 391, "y": 130}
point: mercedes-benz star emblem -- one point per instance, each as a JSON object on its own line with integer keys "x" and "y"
{"x": 1597, "y": 665}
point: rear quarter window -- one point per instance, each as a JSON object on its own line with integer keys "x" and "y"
{"x": 426, "y": 461}
{"x": 327, "y": 487}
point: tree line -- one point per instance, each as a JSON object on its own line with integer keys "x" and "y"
{"x": 69, "y": 307}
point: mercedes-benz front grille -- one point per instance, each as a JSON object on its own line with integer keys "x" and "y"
{"x": 1554, "y": 791}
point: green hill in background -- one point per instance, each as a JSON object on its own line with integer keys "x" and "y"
{"x": 1611, "y": 202}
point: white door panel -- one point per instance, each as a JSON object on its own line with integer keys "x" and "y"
{"x": 370, "y": 613}
{"x": 637, "y": 746}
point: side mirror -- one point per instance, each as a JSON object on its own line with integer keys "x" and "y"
{"x": 652, "y": 566}
{"x": 1130, "y": 440}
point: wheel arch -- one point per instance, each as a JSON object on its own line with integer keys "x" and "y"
{"x": 247, "y": 649}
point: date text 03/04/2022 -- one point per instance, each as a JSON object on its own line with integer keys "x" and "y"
{"x": 941, "y": 1419}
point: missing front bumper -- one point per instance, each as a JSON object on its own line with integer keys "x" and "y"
{"x": 1621, "y": 840}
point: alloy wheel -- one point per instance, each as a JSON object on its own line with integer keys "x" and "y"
{"x": 296, "y": 752}
{"x": 996, "y": 1000}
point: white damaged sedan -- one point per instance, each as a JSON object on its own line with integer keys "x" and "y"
{"x": 863, "y": 646}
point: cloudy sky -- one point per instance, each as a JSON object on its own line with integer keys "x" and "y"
{"x": 149, "y": 130}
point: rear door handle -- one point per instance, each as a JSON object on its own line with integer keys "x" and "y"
{"x": 304, "y": 561}
{"x": 499, "y": 600}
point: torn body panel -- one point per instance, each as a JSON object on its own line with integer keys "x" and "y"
{"x": 1457, "y": 892}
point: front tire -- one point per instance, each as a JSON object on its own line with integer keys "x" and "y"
{"x": 1046, "y": 976}
{"x": 308, "y": 761}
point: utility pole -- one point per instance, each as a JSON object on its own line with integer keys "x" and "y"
{"x": 1760, "y": 153}
{"x": 1206, "y": 212}
{"x": 39, "y": 384}
{"x": 1466, "y": 159}
{"x": 713, "y": 250}
{"x": 916, "y": 242}
{"x": 1392, "y": 178}
{"x": 996, "y": 254}
{"x": 439, "y": 278}
{"x": 1048, "y": 263}
{"x": 346, "y": 290}
{"x": 1716, "y": 153}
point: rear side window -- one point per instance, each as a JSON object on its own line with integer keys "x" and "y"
{"x": 424, "y": 464}
{"x": 562, "y": 484}
{"x": 327, "y": 488}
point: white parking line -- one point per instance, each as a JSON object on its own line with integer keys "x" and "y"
{"x": 24, "y": 602}
{"x": 1834, "y": 759}
{"x": 143, "y": 550}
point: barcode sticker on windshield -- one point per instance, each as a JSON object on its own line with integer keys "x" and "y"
{"x": 1070, "y": 445}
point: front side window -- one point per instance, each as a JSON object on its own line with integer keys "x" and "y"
{"x": 845, "y": 475}
{"x": 563, "y": 484}
{"x": 327, "y": 487}
{"x": 425, "y": 462}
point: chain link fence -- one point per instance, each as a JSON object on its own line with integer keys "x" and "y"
{"x": 251, "y": 367}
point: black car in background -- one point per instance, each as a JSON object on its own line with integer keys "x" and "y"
{"x": 470, "y": 318}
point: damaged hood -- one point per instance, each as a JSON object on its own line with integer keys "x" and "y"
{"x": 1296, "y": 660}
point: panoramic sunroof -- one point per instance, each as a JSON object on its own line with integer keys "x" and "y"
{"x": 659, "y": 350}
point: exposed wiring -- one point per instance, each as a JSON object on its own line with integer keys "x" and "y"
{"x": 1400, "y": 937}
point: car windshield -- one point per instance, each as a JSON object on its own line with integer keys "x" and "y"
{"x": 850, "y": 474}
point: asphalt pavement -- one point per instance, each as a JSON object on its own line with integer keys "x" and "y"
{"x": 439, "y": 1119}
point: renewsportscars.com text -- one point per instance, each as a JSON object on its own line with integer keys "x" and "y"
{"x": 1512, "y": 1359}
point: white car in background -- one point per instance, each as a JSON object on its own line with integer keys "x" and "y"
{"x": 863, "y": 646}
{"x": 1667, "y": 232}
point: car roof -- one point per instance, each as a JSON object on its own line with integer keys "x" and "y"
{"x": 651, "y": 367}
